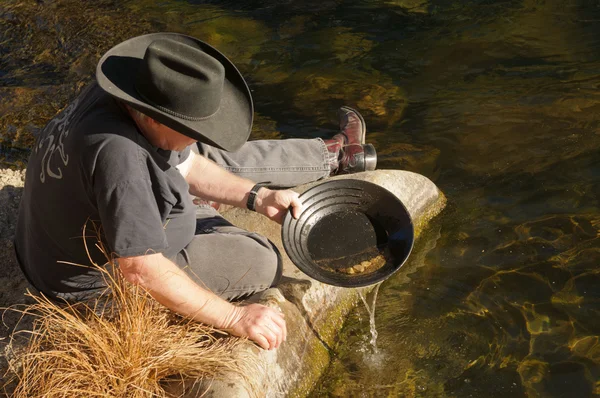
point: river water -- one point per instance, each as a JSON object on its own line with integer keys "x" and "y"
{"x": 496, "y": 101}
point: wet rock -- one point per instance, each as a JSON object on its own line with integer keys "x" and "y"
{"x": 264, "y": 128}
{"x": 376, "y": 97}
{"x": 418, "y": 159}
{"x": 26, "y": 110}
{"x": 479, "y": 380}
{"x": 418, "y": 6}
{"x": 568, "y": 378}
{"x": 587, "y": 346}
{"x": 494, "y": 131}
{"x": 48, "y": 51}
{"x": 236, "y": 36}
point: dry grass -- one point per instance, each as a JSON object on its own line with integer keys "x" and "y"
{"x": 122, "y": 345}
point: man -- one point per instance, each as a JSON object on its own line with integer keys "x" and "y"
{"x": 123, "y": 157}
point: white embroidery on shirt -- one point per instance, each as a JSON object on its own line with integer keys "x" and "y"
{"x": 59, "y": 126}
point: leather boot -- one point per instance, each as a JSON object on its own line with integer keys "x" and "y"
{"x": 348, "y": 151}
{"x": 356, "y": 158}
{"x": 353, "y": 128}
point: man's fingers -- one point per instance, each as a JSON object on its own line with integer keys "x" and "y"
{"x": 266, "y": 326}
{"x": 270, "y": 335}
{"x": 263, "y": 336}
{"x": 261, "y": 340}
{"x": 296, "y": 207}
{"x": 281, "y": 323}
{"x": 276, "y": 325}
{"x": 277, "y": 333}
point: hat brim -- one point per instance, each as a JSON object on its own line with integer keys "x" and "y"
{"x": 228, "y": 129}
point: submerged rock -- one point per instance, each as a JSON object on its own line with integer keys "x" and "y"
{"x": 48, "y": 51}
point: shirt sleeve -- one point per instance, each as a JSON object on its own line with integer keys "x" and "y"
{"x": 131, "y": 220}
{"x": 129, "y": 204}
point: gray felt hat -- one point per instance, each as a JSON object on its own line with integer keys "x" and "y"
{"x": 182, "y": 83}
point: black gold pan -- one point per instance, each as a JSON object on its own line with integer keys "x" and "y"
{"x": 351, "y": 233}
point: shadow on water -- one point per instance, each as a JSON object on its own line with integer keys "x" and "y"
{"x": 496, "y": 101}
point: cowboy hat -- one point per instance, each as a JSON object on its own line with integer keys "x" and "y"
{"x": 182, "y": 83}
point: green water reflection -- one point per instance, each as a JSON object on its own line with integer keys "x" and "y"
{"x": 496, "y": 101}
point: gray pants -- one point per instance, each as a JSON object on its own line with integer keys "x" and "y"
{"x": 233, "y": 262}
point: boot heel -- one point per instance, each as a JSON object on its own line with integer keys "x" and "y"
{"x": 370, "y": 157}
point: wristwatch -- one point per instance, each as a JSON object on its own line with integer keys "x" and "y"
{"x": 250, "y": 204}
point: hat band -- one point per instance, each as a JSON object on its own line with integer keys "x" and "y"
{"x": 173, "y": 113}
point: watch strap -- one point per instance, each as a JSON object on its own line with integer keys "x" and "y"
{"x": 251, "y": 202}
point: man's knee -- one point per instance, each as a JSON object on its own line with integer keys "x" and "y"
{"x": 265, "y": 270}
{"x": 267, "y": 262}
{"x": 233, "y": 265}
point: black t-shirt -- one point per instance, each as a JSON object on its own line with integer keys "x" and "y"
{"x": 93, "y": 173}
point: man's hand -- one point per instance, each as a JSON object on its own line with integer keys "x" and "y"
{"x": 171, "y": 287}
{"x": 274, "y": 204}
{"x": 261, "y": 324}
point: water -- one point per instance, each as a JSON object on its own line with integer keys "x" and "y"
{"x": 496, "y": 101}
{"x": 364, "y": 295}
